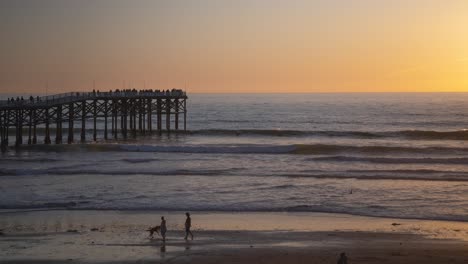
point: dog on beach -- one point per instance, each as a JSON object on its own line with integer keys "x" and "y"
{"x": 152, "y": 230}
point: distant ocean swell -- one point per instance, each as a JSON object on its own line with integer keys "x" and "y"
{"x": 341, "y": 159}
{"x": 297, "y": 149}
{"x": 385, "y": 160}
{"x": 409, "y": 134}
{"x": 406, "y": 134}
{"x": 384, "y": 174}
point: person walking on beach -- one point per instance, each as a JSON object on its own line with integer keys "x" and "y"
{"x": 163, "y": 228}
{"x": 343, "y": 259}
{"x": 188, "y": 225}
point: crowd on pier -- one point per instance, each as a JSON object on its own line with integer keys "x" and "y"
{"x": 19, "y": 100}
{"x": 172, "y": 92}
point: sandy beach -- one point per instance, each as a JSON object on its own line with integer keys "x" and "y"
{"x": 120, "y": 237}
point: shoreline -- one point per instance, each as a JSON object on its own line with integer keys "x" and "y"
{"x": 292, "y": 212}
{"x": 69, "y": 236}
{"x": 236, "y": 221}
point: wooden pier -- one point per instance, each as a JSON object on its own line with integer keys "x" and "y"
{"x": 123, "y": 113}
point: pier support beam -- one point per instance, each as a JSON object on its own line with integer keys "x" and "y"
{"x": 30, "y": 121}
{"x": 124, "y": 118}
{"x": 3, "y": 123}
{"x": 132, "y": 107}
{"x": 150, "y": 125}
{"x": 135, "y": 110}
{"x": 185, "y": 115}
{"x": 7, "y": 132}
{"x": 143, "y": 115}
{"x": 58, "y": 132}
{"x": 34, "y": 139}
{"x": 114, "y": 118}
{"x": 3, "y": 142}
{"x": 47, "y": 129}
{"x": 168, "y": 115}
{"x": 159, "y": 117}
{"x": 130, "y": 116}
{"x": 140, "y": 115}
{"x": 94, "y": 120}
{"x": 83, "y": 121}
{"x": 105, "y": 119}
{"x": 176, "y": 119}
{"x": 71, "y": 119}
{"x": 19, "y": 127}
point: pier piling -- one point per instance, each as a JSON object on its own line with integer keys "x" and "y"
{"x": 47, "y": 129}
{"x": 83, "y": 121}
{"x": 168, "y": 115}
{"x": 105, "y": 119}
{"x": 58, "y": 132}
{"x": 94, "y": 120}
{"x": 71, "y": 118}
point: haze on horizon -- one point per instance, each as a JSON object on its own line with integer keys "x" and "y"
{"x": 235, "y": 46}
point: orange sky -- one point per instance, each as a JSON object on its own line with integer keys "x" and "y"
{"x": 235, "y": 46}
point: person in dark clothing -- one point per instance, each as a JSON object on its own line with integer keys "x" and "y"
{"x": 163, "y": 228}
{"x": 343, "y": 259}
{"x": 188, "y": 225}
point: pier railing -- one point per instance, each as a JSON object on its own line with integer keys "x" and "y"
{"x": 78, "y": 96}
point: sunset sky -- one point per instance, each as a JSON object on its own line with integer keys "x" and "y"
{"x": 234, "y": 46}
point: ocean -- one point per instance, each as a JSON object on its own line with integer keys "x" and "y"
{"x": 402, "y": 155}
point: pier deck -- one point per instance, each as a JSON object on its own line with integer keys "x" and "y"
{"x": 127, "y": 112}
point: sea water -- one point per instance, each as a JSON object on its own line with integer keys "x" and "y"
{"x": 393, "y": 155}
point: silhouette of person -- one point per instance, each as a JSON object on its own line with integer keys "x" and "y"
{"x": 343, "y": 259}
{"x": 163, "y": 228}
{"x": 188, "y": 225}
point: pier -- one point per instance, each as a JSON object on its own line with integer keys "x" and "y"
{"x": 124, "y": 114}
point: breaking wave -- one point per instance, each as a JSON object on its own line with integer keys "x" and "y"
{"x": 408, "y": 134}
{"x": 296, "y": 149}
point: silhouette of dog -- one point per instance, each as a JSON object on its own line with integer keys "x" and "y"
{"x": 152, "y": 230}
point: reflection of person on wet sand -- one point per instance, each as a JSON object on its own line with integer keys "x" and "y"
{"x": 343, "y": 259}
{"x": 163, "y": 228}
{"x": 188, "y": 225}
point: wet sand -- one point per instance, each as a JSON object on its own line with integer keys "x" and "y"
{"x": 120, "y": 237}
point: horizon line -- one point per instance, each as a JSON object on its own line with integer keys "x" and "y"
{"x": 344, "y": 92}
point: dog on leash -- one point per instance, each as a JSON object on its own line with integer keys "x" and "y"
{"x": 152, "y": 230}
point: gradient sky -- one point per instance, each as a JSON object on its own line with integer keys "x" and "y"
{"x": 234, "y": 46}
